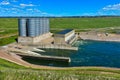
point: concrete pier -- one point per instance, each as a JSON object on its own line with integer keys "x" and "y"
{"x": 56, "y": 58}
{"x": 50, "y": 46}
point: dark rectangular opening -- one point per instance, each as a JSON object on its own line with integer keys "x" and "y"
{"x": 27, "y": 27}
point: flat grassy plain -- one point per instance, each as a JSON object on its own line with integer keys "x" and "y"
{"x": 7, "y": 23}
{"x": 85, "y": 23}
{"x": 9, "y": 26}
{"x": 11, "y": 71}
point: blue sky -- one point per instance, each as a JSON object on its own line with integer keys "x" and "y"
{"x": 59, "y": 7}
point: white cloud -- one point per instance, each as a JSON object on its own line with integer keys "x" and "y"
{"x": 112, "y": 7}
{"x": 4, "y": 3}
{"x": 25, "y": 5}
{"x": 110, "y": 10}
{"x": 20, "y": 9}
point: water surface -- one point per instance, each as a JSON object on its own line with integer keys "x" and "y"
{"x": 90, "y": 53}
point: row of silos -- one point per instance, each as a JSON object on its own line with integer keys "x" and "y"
{"x": 31, "y": 27}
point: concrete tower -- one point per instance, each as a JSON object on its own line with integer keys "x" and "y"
{"x": 22, "y": 27}
{"x": 33, "y": 30}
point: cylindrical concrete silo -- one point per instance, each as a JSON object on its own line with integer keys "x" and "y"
{"x": 22, "y": 27}
{"x": 37, "y": 26}
{"x": 44, "y": 25}
{"x": 31, "y": 27}
{"x": 43, "y": 30}
{"x": 47, "y": 25}
{"x": 40, "y": 26}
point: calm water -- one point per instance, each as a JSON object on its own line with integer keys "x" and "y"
{"x": 90, "y": 53}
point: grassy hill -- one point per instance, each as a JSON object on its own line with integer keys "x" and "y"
{"x": 11, "y": 71}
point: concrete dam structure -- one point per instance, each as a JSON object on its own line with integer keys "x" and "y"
{"x": 33, "y": 30}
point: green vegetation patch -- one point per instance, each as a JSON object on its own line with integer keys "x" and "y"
{"x": 56, "y": 75}
{"x": 6, "y": 23}
{"x": 84, "y": 23}
{"x": 8, "y": 32}
{"x": 7, "y": 65}
{"x": 8, "y": 40}
{"x": 11, "y": 71}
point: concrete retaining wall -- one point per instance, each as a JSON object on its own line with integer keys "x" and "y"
{"x": 32, "y": 40}
{"x": 58, "y": 47}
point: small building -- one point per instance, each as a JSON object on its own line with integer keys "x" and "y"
{"x": 65, "y": 37}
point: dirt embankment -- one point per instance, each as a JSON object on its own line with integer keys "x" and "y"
{"x": 17, "y": 59}
{"x": 12, "y": 58}
{"x": 99, "y": 36}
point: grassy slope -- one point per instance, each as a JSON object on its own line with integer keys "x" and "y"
{"x": 8, "y": 26}
{"x": 11, "y": 71}
{"x": 8, "y": 40}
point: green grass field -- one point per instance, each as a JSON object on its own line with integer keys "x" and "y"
{"x": 11, "y": 71}
{"x": 8, "y": 27}
{"x": 8, "y": 40}
{"x": 74, "y": 23}
{"x": 8, "y": 23}
{"x": 85, "y": 23}
{"x": 6, "y": 64}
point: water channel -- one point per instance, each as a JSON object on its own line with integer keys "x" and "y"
{"x": 90, "y": 53}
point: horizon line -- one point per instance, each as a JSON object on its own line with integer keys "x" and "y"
{"x": 59, "y": 16}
